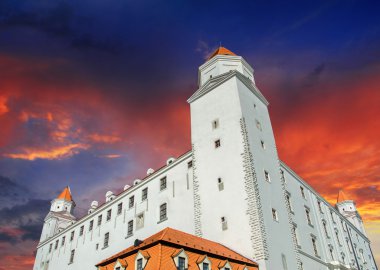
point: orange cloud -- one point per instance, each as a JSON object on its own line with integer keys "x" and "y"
{"x": 3, "y": 105}
{"x": 54, "y": 153}
{"x": 101, "y": 138}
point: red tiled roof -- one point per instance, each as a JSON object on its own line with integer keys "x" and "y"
{"x": 65, "y": 194}
{"x": 183, "y": 239}
{"x": 221, "y": 51}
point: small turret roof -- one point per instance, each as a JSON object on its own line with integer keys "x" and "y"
{"x": 221, "y": 51}
{"x": 341, "y": 197}
{"x": 65, "y": 194}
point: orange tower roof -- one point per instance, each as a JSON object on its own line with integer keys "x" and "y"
{"x": 221, "y": 51}
{"x": 341, "y": 197}
{"x": 65, "y": 194}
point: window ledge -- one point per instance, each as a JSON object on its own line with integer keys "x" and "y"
{"x": 165, "y": 219}
{"x": 70, "y": 263}
{"x": 105, "y": 247}
{"x": 161, "y": 190}
{"x": 129, "y": 235}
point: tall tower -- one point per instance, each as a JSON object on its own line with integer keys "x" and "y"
{"x": 239, "y": 194}
{"x": 60, "y": 215}
{"x": 348, "y": 209}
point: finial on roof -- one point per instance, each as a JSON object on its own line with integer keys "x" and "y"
{"x": 341, "y": 196}
{"x": 65, "y": 194}
{"x": 221, "y": 51}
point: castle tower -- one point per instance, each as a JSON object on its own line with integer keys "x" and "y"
{"x": 348, "y": 209}
{"x": 239, "y": 194}
{"x": 60, "y": 215}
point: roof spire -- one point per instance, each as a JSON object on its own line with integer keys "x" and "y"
{"x": 65, "y": 194}
{"x": 341, "y": 197}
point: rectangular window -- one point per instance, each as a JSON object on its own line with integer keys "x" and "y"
{"x": 303, "y": 192}
{"x": 139, "y": 264}
{"x": 163, "y": 183}
{"x": 320, "y": 206}
{"x": 56, "y": 244}
{"x": 91, "y": 225}
{"x": 63, "y": 240}
{"x": 337, "y": 237}
{"x": 144, "y": 194}
{"x": 72, "y": 256}
{"x": 189, "y": 164}
{"x": 109, "y": 212}
{"x": 205, "y": 266}
{"x": 130, "y": 228}
{"x": 99, "y": 220}
{"x": 217, "y": 143}
{"x": 262, "y": 144}
{"x": 81, "y": 230}
{"x": 119, "y": 208}
{"x": 50, "y": 247}
{"x": 224, "y": 223}
{"x": 267, "y": 177}
{"x": 106, "y": 239}
{"x": 163, "y": 212}
{"x": 314, "y": 242}
{"x": 181, "y": 263}
{"x": 332, "y": 216}
{"x": 308, "y": 216}
{"x": 220, "y": 184}
{"x": 274, "y": 214}
{"x": 131, "y": 201}
{"x": 72, "y": 236}
{"x": 287, "y": 196}
{"x": 324, "y": 223}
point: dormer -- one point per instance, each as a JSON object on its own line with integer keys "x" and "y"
{"x": 121, "y": 264}
{"x": 225, "y": 265}
{"x": 204, "y": 263}
{"x": 181, "y": 260}
{"x": 141, "y": 260}
{"x": 222, "y": 61}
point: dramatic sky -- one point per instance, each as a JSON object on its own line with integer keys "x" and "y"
{"x": 93, "y": 93}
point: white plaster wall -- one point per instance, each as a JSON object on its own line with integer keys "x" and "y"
{"x": 179, "y": 199}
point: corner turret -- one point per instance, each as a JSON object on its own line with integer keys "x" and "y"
{"x": 348, "y": 209}
{"x": 60, "y": 215}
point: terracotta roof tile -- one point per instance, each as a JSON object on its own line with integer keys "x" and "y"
{"x": 65, "y": 194}
{"x": 221, "y": 51}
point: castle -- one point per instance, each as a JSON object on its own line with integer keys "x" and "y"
{"x": 230, "y": 188}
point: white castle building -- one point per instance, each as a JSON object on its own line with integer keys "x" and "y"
{"x": 231, "y": 188}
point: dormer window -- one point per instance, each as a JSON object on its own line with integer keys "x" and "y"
{"x": 181, "y": 260}
{"x": 225, "y": 266}
{"x": 204, "y": 263}
{"x": 121, "y": 264}
{"x": 142, "y": 258}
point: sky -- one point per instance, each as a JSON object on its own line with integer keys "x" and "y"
{"x": 93, "y": 93}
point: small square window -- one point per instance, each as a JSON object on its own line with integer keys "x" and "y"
{"x": 190, "y": 164}
{"x": 163, "y": 183}
{"x": 215, "y": 124}
{"x": 262, "y": 144}
{"x": 274, "y": 214}
{"x": 217, "y": 143}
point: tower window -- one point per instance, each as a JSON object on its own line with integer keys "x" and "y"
{"x": 119, "y": 208}
{"x": 144, "y": 194}
{"x": 190, "y": 164}
{"x": 163, "y": 183}
{"x": 215, "y": 124}
{"x": 131, "y": 201}
{"x": 217, "y": 143}
{"x": 262, "y": 144}
{"x": 109, "y": 212}
{"x": 130, "y": 228}
{"x": 163, "y": 212}
{"x": 267, "y": 177}
{"x": 274, "y": 214}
